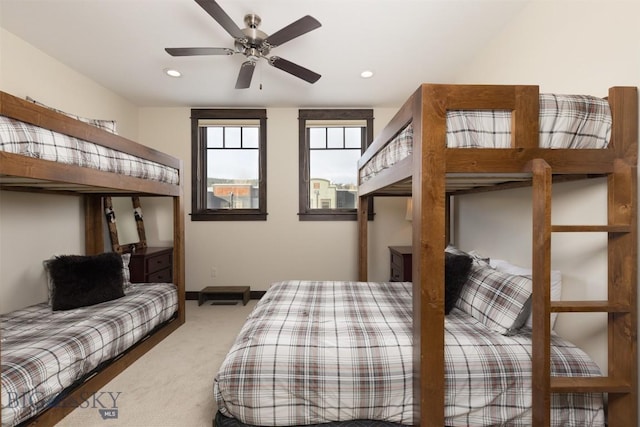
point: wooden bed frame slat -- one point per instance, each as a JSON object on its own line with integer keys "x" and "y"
{"x": 15, "y": 165}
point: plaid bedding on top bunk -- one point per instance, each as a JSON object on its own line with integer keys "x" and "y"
{"x": 317, "y": 352}
{"x": 45, "y": 351}
{"x": 32, "y": 141}
{"x": 566, "y": 121}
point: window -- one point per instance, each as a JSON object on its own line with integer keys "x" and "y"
{"x": 330, "y": 144}
{"x": 229, "y": 165}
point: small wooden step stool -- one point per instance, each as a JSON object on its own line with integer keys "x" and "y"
{"x": 225, "y": 293}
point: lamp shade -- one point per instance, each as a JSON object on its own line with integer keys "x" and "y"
{"x": 409, "y": 214}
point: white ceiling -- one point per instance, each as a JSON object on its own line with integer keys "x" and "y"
{"x": 120, "y": 44}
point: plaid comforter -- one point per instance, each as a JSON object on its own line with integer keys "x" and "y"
{"x": 314, "y": 352}
{"x": 566, "y": 121}
{"x": 44, "y": 351}
{"x": 32, "y": 141}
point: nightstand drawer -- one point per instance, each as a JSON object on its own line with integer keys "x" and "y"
{"x": 397, "y": 259}
{"x": 396, "y": 275}
{"x": 162, "y": 276}
{"x": 158, "y": 262}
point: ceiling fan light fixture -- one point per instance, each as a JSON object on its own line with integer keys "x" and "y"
{"x": 366, "y": 74}
{"x": 172, "y": 72}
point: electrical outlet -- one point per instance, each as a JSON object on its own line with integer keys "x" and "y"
{"x": 214, "y": 272}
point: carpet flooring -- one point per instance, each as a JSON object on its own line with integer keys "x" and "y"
{"x": 171, "y": 385}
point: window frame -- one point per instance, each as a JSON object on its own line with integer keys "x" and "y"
{"x": 199, "y": 210}
{"x": 305, "y": 213}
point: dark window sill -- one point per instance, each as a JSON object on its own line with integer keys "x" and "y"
{"x": 334, "y": 216}
{"x": 233, "y": 215}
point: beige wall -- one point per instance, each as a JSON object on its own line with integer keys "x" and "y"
{"x": 27, "y": 71}
{"x": 583, "y": 49}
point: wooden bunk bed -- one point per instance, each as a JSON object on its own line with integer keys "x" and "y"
{"x": 30, "y": 174}
{"x": 433, "y": 172}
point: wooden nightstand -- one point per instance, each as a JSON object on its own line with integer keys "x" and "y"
{"x": 400, "y": 263}
{"x": 152, "y": 265}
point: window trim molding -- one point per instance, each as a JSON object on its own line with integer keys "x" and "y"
{"x": 199, "y": 212}
{"x": 304, "y": 212}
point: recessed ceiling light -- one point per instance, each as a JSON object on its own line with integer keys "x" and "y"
{"x": 173, "y": 73}
{"x": 366, "y": 74}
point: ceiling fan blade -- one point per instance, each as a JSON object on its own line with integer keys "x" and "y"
{"x": 192, "y": 51}
{"x": 245, "y": 75}
{"x": 217, "y": 13}
{"x": 293, "y": 30}
{"x": 294, "y": 69}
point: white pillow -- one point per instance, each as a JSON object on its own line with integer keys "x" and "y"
{"x": 108, "y": 125}
{"x": 556, "y": 283}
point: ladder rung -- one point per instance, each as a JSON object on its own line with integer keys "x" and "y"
{"x": 620, "y": 228}
{"x": 589, "y": 384}
{"x": 588, "y": 307}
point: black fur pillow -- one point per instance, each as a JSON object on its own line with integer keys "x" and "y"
{"x": 80, "y": 281}
{"x": 456, "y": 271}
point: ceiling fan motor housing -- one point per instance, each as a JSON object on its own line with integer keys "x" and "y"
{"x": 254, "y": 47}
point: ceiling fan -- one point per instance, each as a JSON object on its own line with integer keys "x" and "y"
{"x": 253, "y": 44}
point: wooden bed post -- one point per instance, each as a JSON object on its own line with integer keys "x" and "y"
{"x": 428, "y": 256}
{"x": 178, "y": 253}
{"x": 363, "y": 238}
{"x": 623, "y": 258}
{"x": 93, "y": 223}
{"x": 622, "y": 291}
{"x": 541, "y": 266}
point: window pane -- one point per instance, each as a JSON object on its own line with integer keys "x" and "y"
{"x": 232, "y": 137}
{"x": 353, "y": 137}
{"x": 336, "y": 137}
{"x": 250, "y": 137}
{"x": 318, "y": 137}
{"x": 214, "y": 136}
{"x": 333, "y": 178}
{"x": 232, "y": 179}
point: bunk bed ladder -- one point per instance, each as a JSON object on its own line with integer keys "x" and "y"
{"x": 620, "y": 383}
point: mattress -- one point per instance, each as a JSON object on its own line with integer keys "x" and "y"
{"x": 44, "y": 352}
{"x": 320, "y": 352}
{"x": 565, "y": 121}
{"x": 32, "y": 141}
